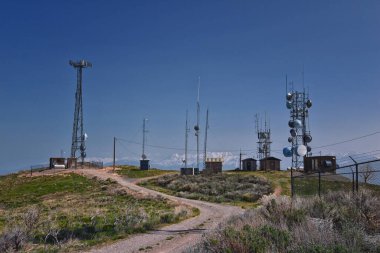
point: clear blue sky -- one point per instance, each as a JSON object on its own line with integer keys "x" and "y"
{"x": 147, "y": 56}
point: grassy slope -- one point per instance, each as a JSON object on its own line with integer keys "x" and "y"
{"x": 86, "y": 208}
{"x": 135, "y": 172}
{"x": 308, "y": 185}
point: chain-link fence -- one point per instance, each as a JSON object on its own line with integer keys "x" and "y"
{"x": 347, "y": 178}
{"x": 75, "y": 165}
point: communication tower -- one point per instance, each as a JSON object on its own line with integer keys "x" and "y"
{"x": 78, "y": 136}
{"x": 144, "y": 162}
{"x": 298, "y": 104}
{"x": 263, "y": 136}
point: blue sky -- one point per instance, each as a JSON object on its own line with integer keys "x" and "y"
{"x": 147, "y": 56}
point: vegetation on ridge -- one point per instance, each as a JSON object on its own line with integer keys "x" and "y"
{"x": 338, "y": 222}
{"x": 228, "y": 188}
{"x": 135, "y": 172}
{"x": 69, "y": 212}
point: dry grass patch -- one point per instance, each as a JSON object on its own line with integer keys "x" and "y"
{"x": 338, "y": 222}
{"x": 71, "y": 212}
{"x": 221, "y": 188}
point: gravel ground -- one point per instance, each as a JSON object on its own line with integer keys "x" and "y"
{"x": 173, "y": 238}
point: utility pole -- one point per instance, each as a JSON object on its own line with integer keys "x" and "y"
{"x": 114, "y": 152}
{"x": 78, "y": 136}
{"x": 187, "y": 130}
{"x": 143, "y": 156}
{"x": 205, "y": 147}
{"x": 240, "y": 160}
{"x": 196, "y": 127}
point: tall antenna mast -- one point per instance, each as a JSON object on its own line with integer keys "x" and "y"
{"x": 196, "y": 127}
{"x": 263, "y": 137}
{"x": 205, "y": 150}
{"x": 78, "y": 136}
{"x": 143, "y": 156}
{"x": 187, "y": 130}
{"x": 303, "y": 77}
{"x": 286, "y": 84}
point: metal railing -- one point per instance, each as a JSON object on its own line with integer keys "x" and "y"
{"x": 346, "y": 178}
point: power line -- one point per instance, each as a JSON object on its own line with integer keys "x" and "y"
{"x": 345, "y": 141}
{"x": 252, "y": 150}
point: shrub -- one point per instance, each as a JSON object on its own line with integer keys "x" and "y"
{"x": 337, "y": 223}
{"x": 216, "y": 188}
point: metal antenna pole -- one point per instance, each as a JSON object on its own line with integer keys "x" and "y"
{"x": 78, "y": 138}
{"x": 286, "y": 84}
{"x": 196, "y": 127}
{"x": 240, "y": 160}
{"x": 114, "y": 152}
{"x": 186, "y": 137}
{"x": 143, "y": 156}
{"x": 205, "y": 148}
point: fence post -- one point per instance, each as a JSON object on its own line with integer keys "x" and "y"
{"x": 319, "y": 183}
{"x": 353, "y": 182}
{"x": 291, "y": 182}
{"x": 357, "y": 173}
{"x": 31, "y": 170}
{"x": 357, "y": 177}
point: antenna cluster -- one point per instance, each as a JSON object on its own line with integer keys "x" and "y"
{"x": 298, "y": 104}
{"x": 263, "y": 136}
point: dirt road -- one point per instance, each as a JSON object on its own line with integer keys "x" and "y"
{"x": 174, "y": 238}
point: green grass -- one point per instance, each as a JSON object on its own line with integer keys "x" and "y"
{"x": 135, "y": 172}
{"x": 89, "y": 210}
{"x": 18, "y": 191}
{"x": 309, "y": 185}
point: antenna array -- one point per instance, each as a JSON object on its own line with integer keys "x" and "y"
{"x": 263, "y": 136}
{"x": 299, "y": 104}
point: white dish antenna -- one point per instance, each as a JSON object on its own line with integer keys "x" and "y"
{"x": 301, "y": 150}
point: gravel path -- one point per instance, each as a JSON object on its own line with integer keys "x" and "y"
{"x": 173, "y": 238}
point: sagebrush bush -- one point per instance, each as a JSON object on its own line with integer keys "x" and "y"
{"x": 337, "y": 222}
{"x": 216, "y": 188}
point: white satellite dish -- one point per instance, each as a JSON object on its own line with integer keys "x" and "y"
{"x": 301, "y": 150}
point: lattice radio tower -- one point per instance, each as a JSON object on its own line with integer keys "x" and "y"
{"x": 78, "y": 137}
{"x": 298, "y": 104}
{"x": 263, "y": 136}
